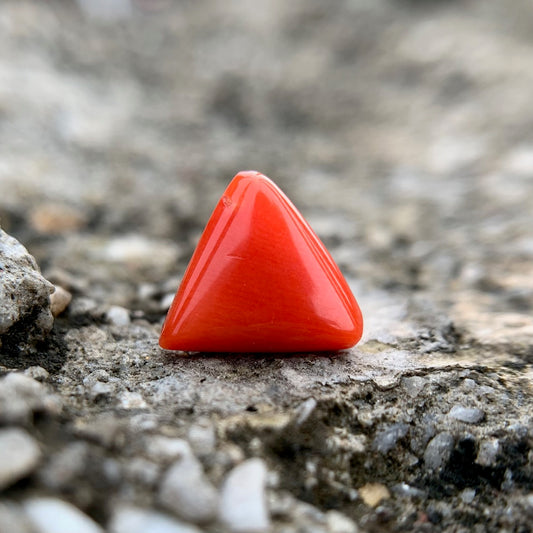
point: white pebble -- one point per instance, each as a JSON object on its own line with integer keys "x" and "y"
{"x": 161, "y": 448}
{"x": 468, "y": 495}
{"x": 469, "y": 415}
{"x": 339, "y": 523}
{"x": 187, "y": 492}
{"x": 243, "y": 507}
{"x": 37, "y": 372}
{"x": 304, "y": 411}
{"x": 131, "y": 400}
{"x": 19, "y": 453}
{"x": 118, "y": 316}
{"x": 166, "y": 301}
{"x": 488, "y": 452}
{"x": 130, "y": 519}
{"x": 50, "y": 515}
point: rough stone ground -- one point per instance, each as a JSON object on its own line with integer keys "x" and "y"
{"x": 403, "y": 132}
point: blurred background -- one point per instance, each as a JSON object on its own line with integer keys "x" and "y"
{"x": 403, "y": 130}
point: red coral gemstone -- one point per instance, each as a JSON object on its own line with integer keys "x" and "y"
{"x": 260, "y": 280}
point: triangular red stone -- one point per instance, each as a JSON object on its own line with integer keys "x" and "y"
{"x": 260, "y": 280}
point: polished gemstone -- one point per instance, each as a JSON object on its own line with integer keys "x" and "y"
{"x": 260, "y": 280}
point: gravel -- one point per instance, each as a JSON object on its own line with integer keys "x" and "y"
{"x": 243, "y": 502}
{"x": 20, "y": 455}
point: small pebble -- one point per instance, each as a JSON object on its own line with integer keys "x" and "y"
{"x": 243, "y": 506}
{"x": 51, "y": 515}
{"x": 438, "y": 451}
{"x": 488, "y": 452}
{"x": 186, "y": 491}
{"x": 128, "y": 519}
{"x": 131, "y": 400}
{"x": 166, "y": 301}
{"x": 386, "y": 440}
{"x": 83, "y": 306}
{"x": 101, "y": 390}
{"x": 413, "y": 385}
{"x": 19, "y": 455}
{"x": 202, "y": 437}
{"x": 408, "y": 491}
{"x": 374, "y": 493}
{"x": 37, "y": 372}
{"x": 161, "y": 448}
{"x": 118, "y": 316}
{"x": 94, "y": 377}
{"x": 304, "y": 411}
{"x": 145, "y": 291}
{"x": 469, "y": 415}
{"x": 469, "y": 383}
{"x": 59, "y": 300}
{"x": 468, "y": 495}
{"x": 339, "y": 523}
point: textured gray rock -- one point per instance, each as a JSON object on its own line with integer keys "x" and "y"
{"x": 187, "y": 492}
{"x": 129, "y": 519}
{"x": 386, "y": 439}
{"x": 488, "y": 452}
{"x": 20, "y": 455}
{"x": 51, "y": 515}
{"x": 438, "y": 451}
{"x": 243, "y": 506}
{"x": 25, "y": 315}
{"x": 470, "y": 415}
